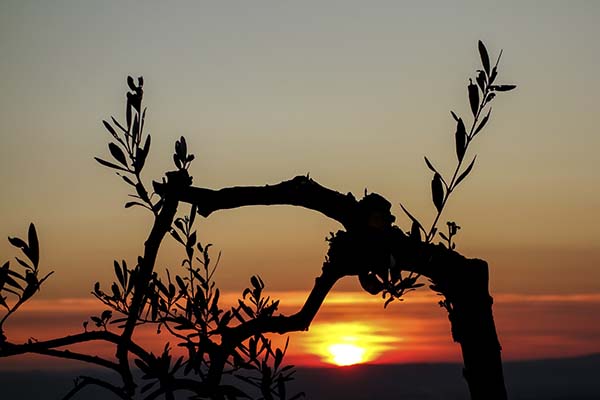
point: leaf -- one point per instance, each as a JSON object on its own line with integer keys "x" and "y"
{"x": 34, "y": 246}
{"x": 411, "y": 217}
{"x": 444, "y": 236}
{"x": 119, "y": 273}
{"x": 130, "y": 83}
{"x": 110, "y": 129}
{"x": 128, "y": 112}
{"x": 454, "y": 116}
{"x": 430, "y": 166}
{"x": 370, "y": 283}
{"x": 473, "y": 97}
{"x": 17, "y": 242}
{"x": 485, "y": 58}
{"x": 503, "y": 88}
{"x": 133, "y": 203}
{"x": 23, "y": 263}
{"x": 481, "y": 80}
{"x": 493, "y": 75}
{"x": 460, "y": 139}
{"x": 110, "y": 165}
{"x": 118, "y": 124}
{"x": 126, "y": 179}
{"x": 117, "y": 153}
{"x": 106, "y": 315}
{"x": 415, "y": 231}
{"x": 437, "y": 192}
{"x": 483, "y": 122}
{"x": 140, "y": 159}
{"x": 466, "y": 172}
{"x": 180, "y": 283}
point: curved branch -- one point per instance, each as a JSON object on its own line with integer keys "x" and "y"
{"x": 8, "y": 349}
{"x": 281, "y": 324}
{"x": 368, "y": 220}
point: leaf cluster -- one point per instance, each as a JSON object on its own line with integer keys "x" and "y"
{"x": 21, "y": 283}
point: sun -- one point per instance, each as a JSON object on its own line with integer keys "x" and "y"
{"x": 346, "y": 354}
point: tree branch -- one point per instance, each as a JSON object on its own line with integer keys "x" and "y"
{"x": 8, "y": 349}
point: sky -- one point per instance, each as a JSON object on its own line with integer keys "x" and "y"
{"x": 353, "y": 93}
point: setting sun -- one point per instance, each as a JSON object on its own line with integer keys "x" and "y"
{"x": 347, "y": 343}
{"x": 346, "y": 354}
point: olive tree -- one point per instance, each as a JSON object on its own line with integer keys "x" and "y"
{"x": 387, "y": 260}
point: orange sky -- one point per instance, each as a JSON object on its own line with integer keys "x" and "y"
{"x": 353, "y": 94}
{"x": 530, "y": 327}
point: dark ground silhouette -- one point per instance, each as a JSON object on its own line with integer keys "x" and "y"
{"x": 554, "y": 379}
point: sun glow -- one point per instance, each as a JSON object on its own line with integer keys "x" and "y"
{"x": 347, "y": 343}
{"x": 346, "y": 354}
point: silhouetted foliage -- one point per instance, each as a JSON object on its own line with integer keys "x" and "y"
{"x": 218, "y": 341}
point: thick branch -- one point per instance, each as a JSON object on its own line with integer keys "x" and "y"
{"x": 299, "y": 191}
{"x": 283, "y": 324}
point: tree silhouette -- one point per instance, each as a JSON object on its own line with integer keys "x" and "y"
{"x": 234, "y": 342}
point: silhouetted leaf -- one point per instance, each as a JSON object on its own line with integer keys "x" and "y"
{"x": 490, "y": 97}
{"x": 493, "y": 75}
{"x": 110, "y": 165}
{"x": 460, "y": 139}
{"x": 141, "y": 155}
{"x": 180, "y": 283}
{"x": 121, "y": 127}
{"x": 117, "y": 153}
{"x": 483, "y": 122}
{"x": 110, "y": 129}
{"x": 133, "y": 203}
{"x": 502, "y": 88}
{"x": 437, "y": 192}
{"x": 454, "y": 116}
{"x": 176, "y": 236}
{"x": 119, "y": 273}
{"x": 128, "y": 112}
{"x": 415, "y": 231}
{"x": 115, "y": 290}
{"x": 23, "y": 263}
{"x": 34, "y": 247}
{"x": 473, "y": 97}
{"x": 430, "y": 166}
{"x": 106, "y": 315}
{"x": 466, "y": 172}
{"x": 130, "y": 83}
{"x": 17, "y": 242}
{"x": 481, "y": 80}
{"x": 127, "y": 180}
{"x": 444, "y": 236}
{"x": 413, "y": 219}
{"x": 485, "y": 58}
{"x": 370, "y": 283}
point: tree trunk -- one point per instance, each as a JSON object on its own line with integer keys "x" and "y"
{"x": 469, "y": 306}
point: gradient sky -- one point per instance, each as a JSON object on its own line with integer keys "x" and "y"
{"x": 354, "y": 93}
